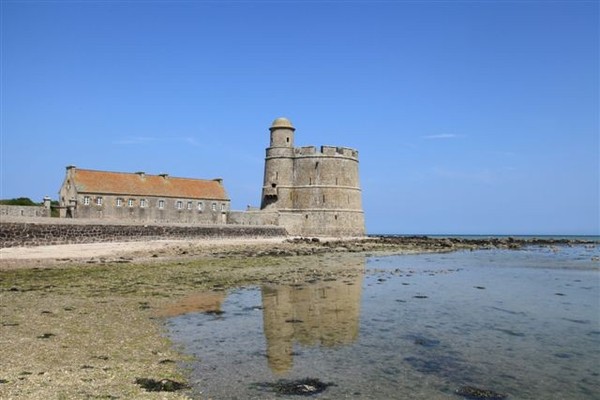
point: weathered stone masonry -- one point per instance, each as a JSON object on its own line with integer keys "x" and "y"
{"x": 14, "y": 234}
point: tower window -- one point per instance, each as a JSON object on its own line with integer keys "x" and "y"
{"x": 273, "y": 185}
{"x": 287, "y": 139}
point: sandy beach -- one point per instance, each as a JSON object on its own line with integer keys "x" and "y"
{"x": 123, "y": 249}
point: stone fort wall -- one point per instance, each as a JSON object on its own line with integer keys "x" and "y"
{"x": 24, "y": 211}
{"x": 59, "y": 231}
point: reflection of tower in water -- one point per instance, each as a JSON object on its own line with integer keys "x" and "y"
{"x": 326, "y": 313}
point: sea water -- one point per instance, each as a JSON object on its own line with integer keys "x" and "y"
{"x": 521, "y": 323}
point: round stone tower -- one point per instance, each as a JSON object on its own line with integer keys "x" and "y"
{"x": 279, "y": 167}
{"x": 313, "y": 191}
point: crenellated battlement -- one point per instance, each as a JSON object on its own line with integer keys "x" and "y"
{"x": 326, "y": 151}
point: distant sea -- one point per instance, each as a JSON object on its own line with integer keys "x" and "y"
{"x": 594, "y": 238}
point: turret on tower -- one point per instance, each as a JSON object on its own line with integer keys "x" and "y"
{"x": 279, "y": 166}
{"x": 282, "y": 133}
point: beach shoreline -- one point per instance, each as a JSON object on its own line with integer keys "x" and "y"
{"x": 171, "y": 250}
{"x": 84, "y": 320}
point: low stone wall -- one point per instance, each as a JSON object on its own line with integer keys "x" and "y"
{"x": 15, "y": 234}
{"x": 24, "y": 211}
{"x": 253, "y": 218}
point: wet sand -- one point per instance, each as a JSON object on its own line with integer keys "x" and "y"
{"x": 83, "y": 321}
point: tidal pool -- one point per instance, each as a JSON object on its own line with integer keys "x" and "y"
{"x": 523, "y": 323}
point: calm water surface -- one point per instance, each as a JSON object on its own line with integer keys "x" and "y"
{"x": 524, "y": 323}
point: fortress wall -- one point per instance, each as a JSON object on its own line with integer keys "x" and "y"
{"x": 334, "y": 223}
{"x": 326, "y": 170}
{"x": 327, "y": 197}
{"x": 327, "y": 182}
{"x": 13, "y": 234}
{"x": 24, "y": 211}
{"x": 253, "y": 218}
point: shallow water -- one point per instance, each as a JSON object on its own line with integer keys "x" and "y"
{"x": 524, "y": 323}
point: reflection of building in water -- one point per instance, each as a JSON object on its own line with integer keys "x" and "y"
{"x": 197, "y": 302}
{"x": 326, "y": 314}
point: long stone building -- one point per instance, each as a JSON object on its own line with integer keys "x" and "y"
{"x": 141, "y": 197}
{"x": 307, "y": 190}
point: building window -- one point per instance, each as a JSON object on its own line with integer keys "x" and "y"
{"x": 189, "y": 205}
{"x": 222, "y": 206}
{"x": 86, "y": 200}
{"x": 98, "y": 201}
{"x": 179, "y": 204}
{"x": 161, "y": 204}
{"x": 143, "y": 203}
{"x": 119, "y": 202}
{"x": 199, "y": 206}
{"x": 130, "y": 203}
{"x": 214, "y": 206}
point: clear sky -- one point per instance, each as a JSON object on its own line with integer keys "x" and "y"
{"x": 470, "y": 117}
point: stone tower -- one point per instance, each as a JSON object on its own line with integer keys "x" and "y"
{"x": 314, "y": 192}
{"x": 279, "y": 167}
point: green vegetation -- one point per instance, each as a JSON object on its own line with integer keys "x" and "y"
{"x": 26, "y": 201}
{"x": 21, "y": 201}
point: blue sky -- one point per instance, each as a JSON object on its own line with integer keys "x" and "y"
{"x": 470, "y": 117}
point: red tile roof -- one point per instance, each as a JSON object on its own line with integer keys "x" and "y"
{"x": 137, "y": 184}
